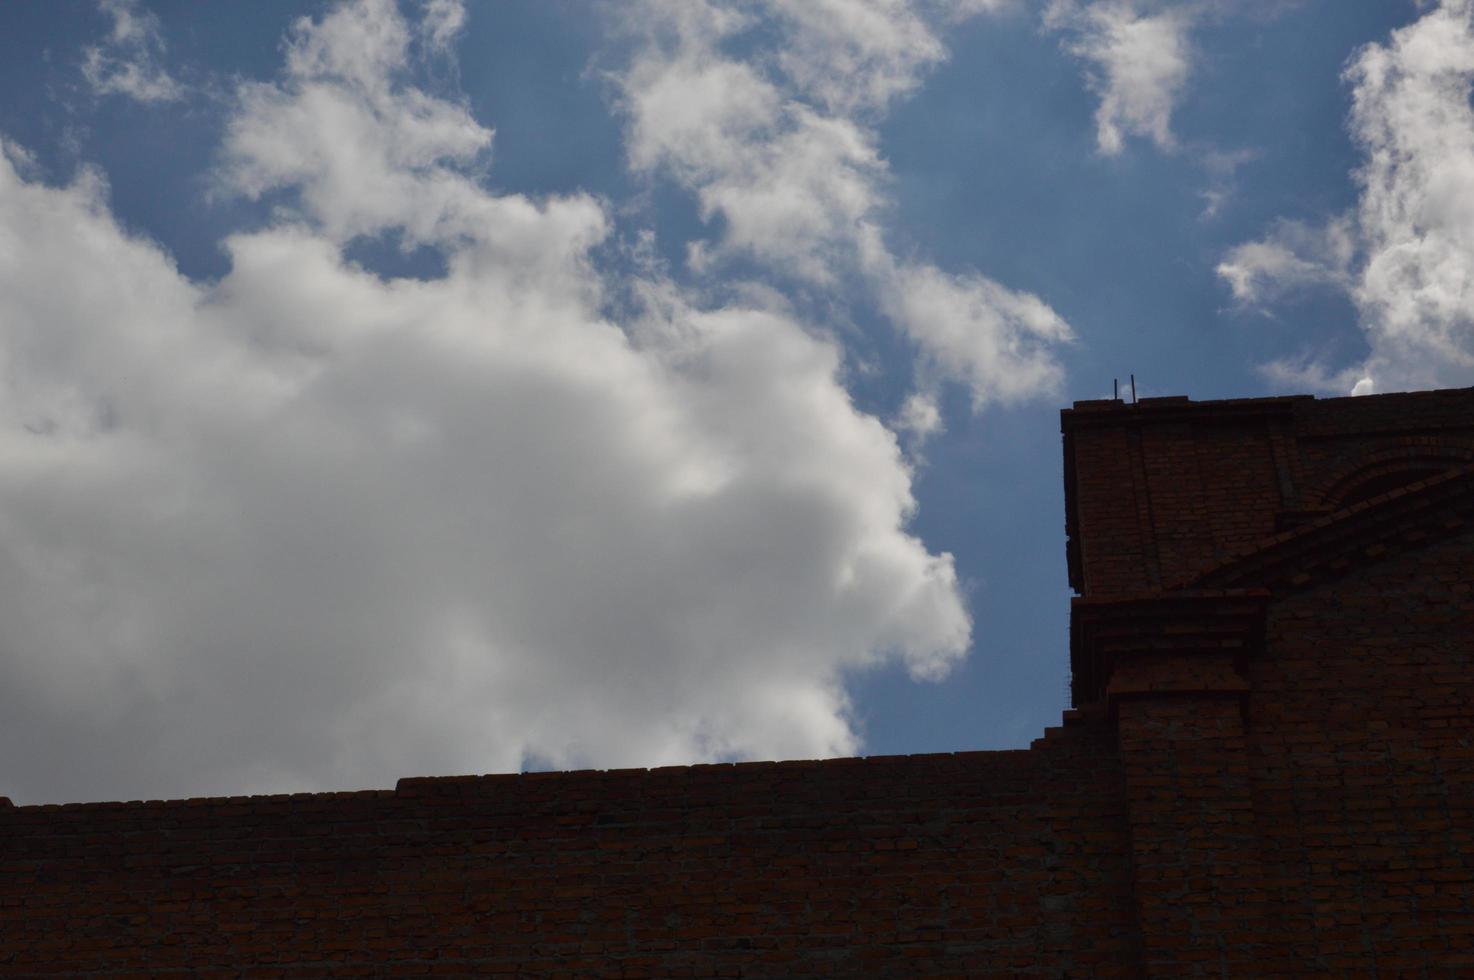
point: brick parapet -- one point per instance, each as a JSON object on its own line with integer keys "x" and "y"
{"x": 1158, "y": 490}
{"x": 889, "y": 866}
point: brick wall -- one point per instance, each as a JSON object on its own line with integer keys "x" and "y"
{"x": 1363, "y": 762}
{"x": 1269, "y": 773}
{"x": 1159, "y": 490}
{"x": 1287, "y": 653}
{"x": 920, "y": 866}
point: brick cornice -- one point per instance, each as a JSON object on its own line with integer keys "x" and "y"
{"x": 1196, "y": 642}
{"x": 1175, "y": 408}
{"x": 1210, "y": 624}
{"x": 1371, "y": 531}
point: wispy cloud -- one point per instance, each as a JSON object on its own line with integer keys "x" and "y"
{"x": 1222, "y": 169}
{"x": 779, "y": 143}
{"x": 1292, "y": 256}
{"x": 128, "y": 61}
{"x": 1140, "y": 59}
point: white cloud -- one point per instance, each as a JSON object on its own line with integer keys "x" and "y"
{"x": 1140, "y": 58}
{"x": 1412, "y": 118}
{"x": 963, "y": 9}
{"x": 920, "y": 416}
{"x": 1406, "y": 256}
{"x": 1308, "y": 374}
{"x": 994, "y": 340}
{"x": 127, "y": 63}
{"x": 780, "y": 145}
{"x": 364, "y": 152}
{"x": 441, "y": 22}
{"x": 1293, "y": 256}
{"x": 306, "y": 527}
{"x": 1221, "y": 168}
{"x": 851, "y": 55}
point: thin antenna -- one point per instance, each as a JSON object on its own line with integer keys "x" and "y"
{"x": 1133, "y": 389}
{"x": 1116, "y": 388}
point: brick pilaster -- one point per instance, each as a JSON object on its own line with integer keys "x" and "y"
{"x": 1171, "y": 670}
{"x": 1197, "y": 874}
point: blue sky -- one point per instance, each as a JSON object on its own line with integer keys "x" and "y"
{"x": 409, "y": 388}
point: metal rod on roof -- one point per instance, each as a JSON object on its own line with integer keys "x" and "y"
{"x": 1133, "y": 389}
{"x": 1116, "y": 388}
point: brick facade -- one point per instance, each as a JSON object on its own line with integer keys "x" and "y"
{"x": 1269, "y": 771}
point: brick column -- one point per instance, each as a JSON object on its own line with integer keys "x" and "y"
{"x": 1171, "y": 671}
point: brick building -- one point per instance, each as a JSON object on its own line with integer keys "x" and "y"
{"x": 1269, "y": 771}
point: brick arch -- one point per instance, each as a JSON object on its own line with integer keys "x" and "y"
{"x": 1387, "y": 469}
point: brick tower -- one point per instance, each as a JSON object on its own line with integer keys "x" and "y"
{"x": 1274, "y": 614}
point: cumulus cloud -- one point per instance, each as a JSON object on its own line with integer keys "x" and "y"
{"x": 128, "y": 61}
{"x": 1412, "y": 117}
{"x": 1406, "y": 255}
{"x": 361, "y": 151}
{"x": 1139, "y": 57}
{"x": 779, "y": 144}
{"x": 310, "y": 527}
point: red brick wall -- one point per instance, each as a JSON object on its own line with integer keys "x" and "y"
{"x": 1362, "y": 749}
{"x": 979, "y": 864}
{"x": 1198, "y": 879}
{"x": 1300, "y": 779}
{"x": 1159, "y": 489}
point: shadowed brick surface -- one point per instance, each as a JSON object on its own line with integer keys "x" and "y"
{"x": 911, "y": 866}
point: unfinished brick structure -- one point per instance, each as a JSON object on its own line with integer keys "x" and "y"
{"x": 1269, "y": 772}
